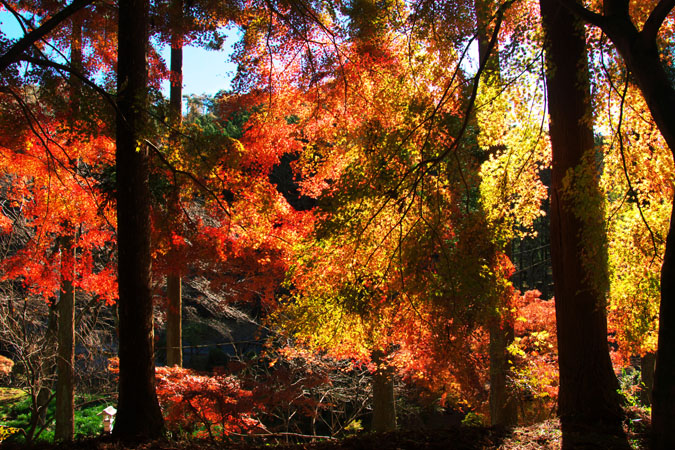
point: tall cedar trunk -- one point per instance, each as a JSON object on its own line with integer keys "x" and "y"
{"x": 588, "y": 401}
{"x": 503, "y": 406}
{"x": 174, "y": 331}
{"x": 65, "y": 388}
{"x": 139, "y": 416}
{"x": 663, "y": 394}
{"x": 384, "y": 402}
{"x": 641, "y": 56}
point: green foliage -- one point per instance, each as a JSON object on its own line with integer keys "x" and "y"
{"x": 630, "y": 387}
{"x": 353, "y": 427}
{"x": 473, "y": 419}
{"x": 87, "y": 421}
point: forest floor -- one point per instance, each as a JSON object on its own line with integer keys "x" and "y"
{"x": 541, "y": 436}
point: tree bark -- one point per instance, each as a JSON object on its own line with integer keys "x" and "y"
{"x": 641, "y": 55}
{"x": 640, "y": 52}
{"x": 588, "y": 402}
{"x": 663, "y": 394}
{"x": 139, "y": 415}
{"x": 647, "y": 365}
{"x": 174, "y": 331}
{"x": 65, "y": 388}
{"x": 384, "y": 402}
{"x": 503, "y": 406}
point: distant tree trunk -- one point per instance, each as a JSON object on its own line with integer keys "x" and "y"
{"x": 647, "y": 365}
{"x": 384, "y": 402}
{"x": 588, "y": 401}
{"x": 65, "y": 387}
{"x": 503, "y": 406}
{"x": 139, "y": 415}
{"x": 174, "y": 331}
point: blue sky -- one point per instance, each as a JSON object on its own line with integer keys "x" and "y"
{"x": 204, "y": 71}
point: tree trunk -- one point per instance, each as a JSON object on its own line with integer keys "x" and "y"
{"x": 65, "y": 389}
{"x": 663, "y": 394}
{"x": 174, "y": 331}
{"x": 588, "y": 402}
{"x": 174, "y": 335}
{"x": 647, "y": 363}
{"x": 139, "y": 415}
{"x": 640, "y": 52}
{"x": 503, "y": 406}
{"x": 642, "y": 59}
{"x": 384, "y": 403}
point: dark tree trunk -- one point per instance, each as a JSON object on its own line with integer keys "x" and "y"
{"x": 174, "y": 331}
{"x": 640, "y": 52}
{"x": 503, "y": 406}
{"x": 139, "y": 415}
{"x": 174, "y": 335}
{"x": 641, "y": 55}
{"x": 647, "y": 365}
{"x": 663, "y": 394}
{"x": 65, "y": 389}
{"x": 588, "y": 401}
{"x": 384, "y": 402}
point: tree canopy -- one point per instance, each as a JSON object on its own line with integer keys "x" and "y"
{"x": 362, "y": 187}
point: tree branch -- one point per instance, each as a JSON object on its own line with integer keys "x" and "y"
{"x": 14, "y": 53}
{"x": 191, "y": 176}
{"x": 589, "y": 16}
{"x": 655, "y": 20}
{"x": 69, "y": 69}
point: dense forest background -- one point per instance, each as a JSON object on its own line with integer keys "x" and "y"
{"x": 402, "y": 213}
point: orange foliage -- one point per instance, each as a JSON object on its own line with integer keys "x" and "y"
{"x": 212, "y": 406}
{"x": 535, "y": 355}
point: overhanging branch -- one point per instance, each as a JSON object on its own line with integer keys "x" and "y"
{"x": 656, "y": 18}
{"x": 585, "y": 14}
{"x": 48, "y": 63}
{"x": 14, "y": 53}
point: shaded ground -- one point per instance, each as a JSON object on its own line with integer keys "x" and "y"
{"x": 459, "y": 438}
{"x": 542, "y": 436}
